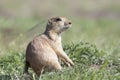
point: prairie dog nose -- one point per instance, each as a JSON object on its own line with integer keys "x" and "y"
{"x": 67, "y": 23}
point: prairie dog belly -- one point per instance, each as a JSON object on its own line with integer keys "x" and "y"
{"x": 47, "y": 57}
{"x": 41, "y": 55}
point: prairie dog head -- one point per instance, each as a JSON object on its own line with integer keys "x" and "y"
{"x": 58, "y": 24}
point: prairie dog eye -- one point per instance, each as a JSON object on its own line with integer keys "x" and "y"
{"x": 58, "y": 19}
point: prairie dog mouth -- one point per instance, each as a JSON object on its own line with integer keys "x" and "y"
{"x": 66, "y": 27}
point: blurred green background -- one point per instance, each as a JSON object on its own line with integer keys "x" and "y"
{"x": 94, "y": 21}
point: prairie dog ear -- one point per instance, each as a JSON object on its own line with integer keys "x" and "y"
{"x": 49, "y": 21}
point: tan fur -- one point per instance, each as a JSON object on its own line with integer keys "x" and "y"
{"x": 43, "y": 51}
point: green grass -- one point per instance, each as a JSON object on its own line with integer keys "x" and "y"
{"x": 91, "y": 63}
{"x": 93, "y": 41}
{"x": 94, "y": 47}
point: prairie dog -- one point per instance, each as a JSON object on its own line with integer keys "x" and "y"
{"x": 45, "y": 49}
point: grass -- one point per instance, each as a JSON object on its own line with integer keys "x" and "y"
{"x": 94, "y": 46}
{"x": 95, "y": 51}
{"x": 91, "y": 63}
